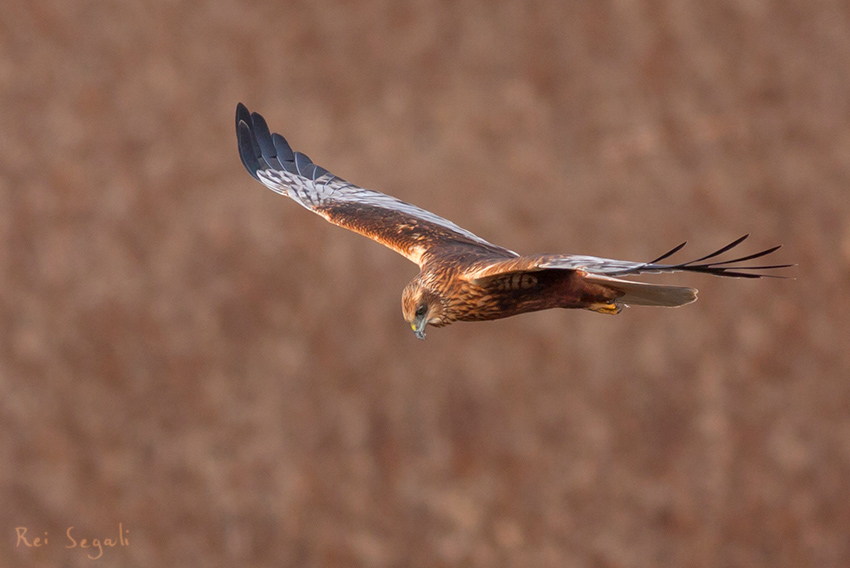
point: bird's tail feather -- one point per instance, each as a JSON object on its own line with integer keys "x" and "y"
{"x": 644, "y": 294}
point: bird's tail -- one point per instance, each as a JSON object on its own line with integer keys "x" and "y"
{"x": 644, "y": 294}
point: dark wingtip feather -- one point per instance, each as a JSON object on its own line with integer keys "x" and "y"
{"x": 750, "y": 256}
{"x": 242, "y": 115}
{"x": 669, "y": 253}
{"x": 303, "y": 165}
{"x": 718, "y": 252}
{"x": 284, "y": 151}
{"x": 247, "y": 151}
{"x": 263, "y": 137}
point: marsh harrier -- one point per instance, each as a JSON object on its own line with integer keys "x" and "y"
{"x": 461, "y": 276}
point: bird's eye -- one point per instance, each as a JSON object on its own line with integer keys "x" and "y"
{"x": 420, "y": 311}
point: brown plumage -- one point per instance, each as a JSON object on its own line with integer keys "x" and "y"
{"x": 461, "y": 276}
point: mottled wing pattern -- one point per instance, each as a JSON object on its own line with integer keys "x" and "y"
{"x": 610, "y": 267}
{"x": 405, "y": 228}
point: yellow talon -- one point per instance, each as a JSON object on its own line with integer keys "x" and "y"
{"x": 611, "y": 308}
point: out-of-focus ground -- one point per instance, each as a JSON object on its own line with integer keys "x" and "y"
{"x": 229, "y": 377}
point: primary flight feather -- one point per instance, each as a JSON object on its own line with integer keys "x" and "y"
{"x": 461, "y": 276}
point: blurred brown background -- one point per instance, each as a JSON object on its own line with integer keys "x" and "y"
{"x": 229, "y": 377}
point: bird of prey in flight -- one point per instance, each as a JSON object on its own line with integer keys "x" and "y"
{"x": 461, "y": 276}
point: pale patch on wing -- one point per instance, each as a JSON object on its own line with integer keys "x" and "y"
{"x": 328, "y": 190}
{"x": 536, "y": 263}
{"x": 593, "y": 264}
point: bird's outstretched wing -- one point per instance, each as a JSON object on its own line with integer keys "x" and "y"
{"x": 609, "y": 267}
{"x": 405, "y": 228}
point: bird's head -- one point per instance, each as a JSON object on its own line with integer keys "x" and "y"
{"x": 422, "y": 306}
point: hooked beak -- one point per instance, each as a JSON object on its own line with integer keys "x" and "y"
{"x": 418, "y": 327}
